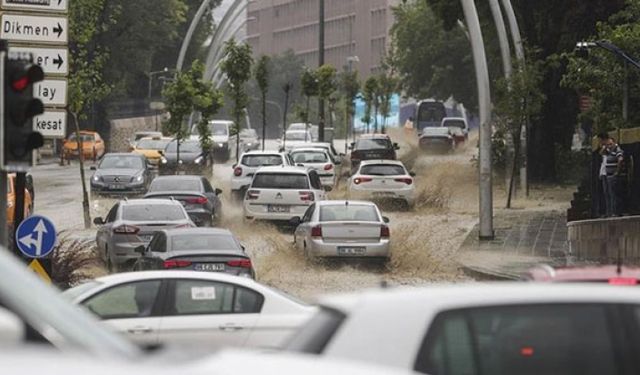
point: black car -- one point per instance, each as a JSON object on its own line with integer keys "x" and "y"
{"x": 121, "y": 174}
{"x": 195, "y": 249}
{"x": 199, "y": 198}
{"x": 193, "y": 160}
{"x": 372, "y": 147}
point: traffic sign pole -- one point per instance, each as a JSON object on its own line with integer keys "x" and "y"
{"x": 18, "y": 207}
{"x": 4, "y": 238}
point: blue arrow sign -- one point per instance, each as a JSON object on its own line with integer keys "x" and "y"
{"x": 36, "y": 237}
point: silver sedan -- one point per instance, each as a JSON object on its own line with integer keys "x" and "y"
{"x": 343, "y": 229}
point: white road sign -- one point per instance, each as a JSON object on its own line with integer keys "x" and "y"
{"x": 52, "y": 92}
{"x": 41, "y": 29}
{"x": 52, "y": 124}
{"x": 54, "y": 61}
{"x": 41, "y": 5}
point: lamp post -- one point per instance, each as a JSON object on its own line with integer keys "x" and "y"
{"x": 350, "y": 121}
{"x": 152, "y": 74}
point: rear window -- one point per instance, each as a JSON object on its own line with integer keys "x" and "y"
{"x": 152, "y": 144}
{"x": 298, "y": 136}
{"x": 203, "y": 242}
{"x": 383, "y": 170}
{"x": 532, "y": 339}
{"x": 261, "y": 160}
{"x": 153, "y": 212}
{"x": 280, "y": 181}
{"x": 454, "y": 124}
{"x": 171, "y": 184}
{"x": 373, "y": 144}
{"x": 352, "y": 212}
{"x": 309, "y": 157}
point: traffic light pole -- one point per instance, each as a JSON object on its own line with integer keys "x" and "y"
{"x": 4, "y": 238}
{"x": 18, "y": 212}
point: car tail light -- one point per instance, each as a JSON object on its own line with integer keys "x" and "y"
{"x": 623, "y": 281}
{"x": 126, "y": 229}
{"x": 316, "y": 231}
{"x": 307, "y": 196}
{"x": 527, "y": 351}
{"x": 198, "y": 200}
{"x": 405, "y": 180}
{"x": 360, "y": 180}
{"x": 169, "y": 264}
{"x": 385, "y": 232}
{"x": 237, "y": 171}
{"x": 242, "y": 263}
{"x": 328, "y": 167}
{"x": 253, "y": 195}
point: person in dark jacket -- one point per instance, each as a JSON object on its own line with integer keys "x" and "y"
{"x": 612, "y": 159}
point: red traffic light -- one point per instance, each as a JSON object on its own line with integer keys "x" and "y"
{"x": 22, "y": 75}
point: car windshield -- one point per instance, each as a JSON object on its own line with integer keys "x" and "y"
{"x": 280, "y": 181}
{"x": 383, "y": 170}
{"x": 121, "y": 162}
{"x": 298, "y": 136}
{"x": 199, "y": 241}
{"x": 152, "y": 144}
{"x": 348, "y": 212}
{"x": 261, "y": 160}
{"x": 153, "y": 212}
{"x": 83, "y": 137}
{"x": 309, "y": 157}
{"x": 175, "y": 184}
{"x": 373, "y": 144}
{"x": 454, "y": 124}
{"x": 248, "y": 133}
{"x": 297, "y": 127}
{"x": 187, "y": 147}
{"x": 77, "y": 291}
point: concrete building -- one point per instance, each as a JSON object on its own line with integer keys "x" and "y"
{"x": 352, "y": 28}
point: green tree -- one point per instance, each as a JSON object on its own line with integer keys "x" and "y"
{"x": 86, "y": 83}
{"x": 310, "y": 88}
{"x": 370, "y": 96}
{"x": 388, "y": 86}
{"x": 350, "y": 87}
{"x": 236, "y": 65}
{"x": 326, "y": 76}
{"x": 261, "y": 74}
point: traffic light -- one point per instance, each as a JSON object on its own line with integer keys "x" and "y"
{"x": 20, "y": 108}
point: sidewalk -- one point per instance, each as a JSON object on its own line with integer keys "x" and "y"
{"x": 522, "y": 240}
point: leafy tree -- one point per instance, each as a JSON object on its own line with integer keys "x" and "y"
{"x": 388, "y": 85}
{"x": 310, "y": 88}
{"x": 326, "y": 76}
{"x": 86, "y": 83}
{"x": 236, "y": 65}
{"x": 370, "y": 96}
{"x": 350, "y": 87}
{"x": 261, "y": 74}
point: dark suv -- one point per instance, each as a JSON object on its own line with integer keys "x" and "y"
{"x": 372, "y": 147}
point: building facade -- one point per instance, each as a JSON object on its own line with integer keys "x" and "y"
{"x": 352, "y": 28}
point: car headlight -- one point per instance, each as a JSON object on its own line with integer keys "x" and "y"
{"x": 163, "y": 160}
{"x": 180, "y": 162}
{"x": 139, "y": 178}
{"x": 96, "y": 178}
{"x": 199, "y": 160}
{"x": 220, "y": 144}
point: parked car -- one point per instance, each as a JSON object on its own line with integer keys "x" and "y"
{"x": 223, "y": 142}
{"x": 250, "y": 162}
{"x": 506, "y": 328}
{"x": 249, "y": 140}
{"x": 343, "y": 229}
{"x": 438, "y": 140}
{"x": 295, "y": 138}
{"x": 197, "y": 195}
{"x": 318, "y": 160}
{"x": 121, "y": 174}
{"x": 370, "y": 147}
{"x": 300, "y": 126}
{"x": 282, "y": 193}
{"x": 193, "y": 160}
{"x": 151, "y": 148}
{"x": 606, "y": 274}
{"x": 198, "y": 249}
{"x": 201, "y": 311}
{"x": 142, "y": 134}
{"x": 93, "y": 146}
{"x": 459, "y": 128}
{"x": 11, "y": 200}
{"x": 132, "y": 223}
{"x": 386, "y": 180}
{"x": 336, "y": 157}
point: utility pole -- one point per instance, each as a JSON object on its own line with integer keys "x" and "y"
{"x": 4, "y": 239}
{"x": 484, "y": 97}
{"x": 320, "y": 63}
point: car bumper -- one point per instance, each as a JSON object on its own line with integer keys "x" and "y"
{"x": 125, "y": 190}
{"x": 124, "y": 252}
{"x": 328, "y": 180}
{"x": 407, "y": 195}
{"x": 186, "y": 169}
{"x": 199, "y": 217}
{"x": 320, "y": 248}
{"x": 260, "y": 212}
{"x": 238, "y": 184}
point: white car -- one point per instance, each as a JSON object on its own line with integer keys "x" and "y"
{"x": 458, "y": 126}
{"x": 313, "y": 129}
{"x": 317, "y": 160}
{"x": 282, "y": 193}
{"x": 296, "y": 138}
{"x": 249, "y": 163}
{"x": 223, "y": 142}
{"x": 343, "y": 229}
{"x": 200, "y": 310}
{"x": 384, "y": 180}
{"x": 327, "y": 146}
{"x": 506, "y": 328}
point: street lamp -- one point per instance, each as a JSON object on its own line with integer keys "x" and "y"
{"x": 152, "y": 74}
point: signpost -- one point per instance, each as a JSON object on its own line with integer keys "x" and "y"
{"x": 36, "y": 29}
{"x": 36, "y": 5}
{"x": 36, "y": 237}
{"x": 52, "y": 92}
{"x": 54, "y": 61}
{"x": 52, "y": 124}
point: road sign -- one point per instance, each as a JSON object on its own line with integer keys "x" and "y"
{"x": 40, "y": 29}
{"x": 54, "y": 61}
{"x": 51, "y": 124}
{"x": 36, "y": 237}
{"x": 36, "y": 267}
{"x": 37, "y": 5}
{"x": 52, "y": 92}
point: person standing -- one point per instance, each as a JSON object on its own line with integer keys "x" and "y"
{"x": 612, "y": 159}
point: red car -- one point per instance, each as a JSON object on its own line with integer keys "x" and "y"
{"x": 611, "y": 274}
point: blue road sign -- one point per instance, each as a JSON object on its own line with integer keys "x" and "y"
{"x": 36, "y": 237}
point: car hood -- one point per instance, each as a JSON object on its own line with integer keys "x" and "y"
{"x": 118, "y": 172}
{"x": 186, "y": 157}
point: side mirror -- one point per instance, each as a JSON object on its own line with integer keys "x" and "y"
{"x": 395, "y": 146}
{"x": 140, "y": 250}
{"x": 295, "y": 221}
{"x": 218, "y": 191}
{"x": 98, "y": 221}
{"x": 328, "y": 188}
{"x": 93, "y": 168}
{"x": 412, "y": 174}
{"x": 161, "y": 153}
{"x": 385, "y": 219}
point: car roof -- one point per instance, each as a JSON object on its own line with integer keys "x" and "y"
{"x": 375, "y": 135}
{"x": 156, "y": 138}
{"x": 175, "y": 274}
{"x": 178, "y": 177}
{"x": 381, "y": 161}
{"x": 142, "y": 202}
{"x": 227, "y": 122}
{"x": 582, "y": 273}
{"x": 344, "y": 202}
{"x": 306, "y": 148}
{"x": 260, "y": 152}
{"x": 197, "y": 231}
{"x": 283, "y": 168}
{"x": 432, "y": 130}
{"x": 129, "y": 154}
{"x": 454, "y": 118}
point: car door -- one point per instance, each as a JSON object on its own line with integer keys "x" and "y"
{"x": 316, "y": 185}
{"x": 207, "y": 315}
{"x": 151, "y": 260}
{"x": 302, "y": 230}
{"x": 131, "y": 309}
{"x": 102, "y": 235}
{"x": 211, "y": 195}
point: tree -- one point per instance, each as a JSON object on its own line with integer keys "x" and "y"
{"x": 388, "y": 85}
{"x": 236, "y": 65}
{"x": 261, "y": 74}
{"x": 310, "y": 88}
{"x": 350, "y": 87}
{"x": 86, "y": 83}
{"x": 370, "y": 96}
{"x": 326, "y": 76}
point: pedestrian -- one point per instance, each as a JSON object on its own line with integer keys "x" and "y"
{"x": 612, "y": 159}
{"x": 408, "y": 125}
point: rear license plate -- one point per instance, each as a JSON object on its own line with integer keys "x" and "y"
{"x": 209, "y": 267}
{"x": 352, "y": 250}
{"x": 278, "y": 209}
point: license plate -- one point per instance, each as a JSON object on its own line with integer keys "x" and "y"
{"x": 146, "y": 238}
{"x": 116, "y": 187}
{"x": 209, "y": 267}
{"x": 384, "y": 194}
{"x": 352, "y": 250}
{"x": 278, "y": 209}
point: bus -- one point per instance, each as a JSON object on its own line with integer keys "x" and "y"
{"x": 429, "y": 113}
